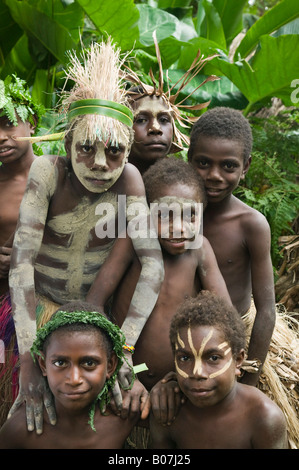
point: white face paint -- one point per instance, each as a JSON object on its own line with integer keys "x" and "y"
{"x": 198, "y": 354}
{"x": 96, "y": 165}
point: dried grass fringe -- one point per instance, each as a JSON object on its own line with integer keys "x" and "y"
{"x": 279, "y": 378}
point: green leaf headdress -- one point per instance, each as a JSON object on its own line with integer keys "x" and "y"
{"x": 157, "y": 89}
{"x": 15, "y": 99}
{"x": 61, "y": 318}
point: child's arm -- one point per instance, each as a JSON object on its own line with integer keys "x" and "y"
{"x": 148, "y": 250}
{"x": 258, "y": 240}
{"x": 111, "y": 272}
{"x": 209, "y": 272}
{"x": 27, "y": 242}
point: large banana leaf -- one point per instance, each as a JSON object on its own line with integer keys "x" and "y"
{"x": 231, "y": 13}
{"x": 269, "y": 74}
{"x": 48, "y": 26}
{"x": 117, "y": 18}
{"x": 10, "y": 32}
{"x": 19, "y": 61}
{"x": 284, "y": 12}
{"x": 165, "y": 24}
{"x": 219, "y": 92}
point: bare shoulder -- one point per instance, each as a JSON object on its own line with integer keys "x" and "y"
{"x": 252, "y": 223}
{"x": 13, "y": 432}
{"x": 268, "y": 423}
{"x": 130, "y": 182}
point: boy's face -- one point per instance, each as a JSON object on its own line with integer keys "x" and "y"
{"x": 76, "y": 367}
{"x": 177, "y": 214}
{"x": 96, "y": 165}
{"x": 153, "y": 129}
{"x": 10, "y": 149}
{"x": 206, "y": 369}
{"x": 220, "y": 163}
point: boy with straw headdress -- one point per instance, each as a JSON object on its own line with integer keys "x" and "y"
{"x": 158, "y": 112}
{"x": 71, "y": 214}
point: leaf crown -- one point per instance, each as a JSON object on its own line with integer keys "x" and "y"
{"x": 15, "y": 99}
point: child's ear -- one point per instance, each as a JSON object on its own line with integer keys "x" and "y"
{"x": 112, "y": 363}
{"x": 42, "y": 364}
{"x": 31, "y": 129}
{"x": 246, "y": 167}
{"x": 239, "y": 361}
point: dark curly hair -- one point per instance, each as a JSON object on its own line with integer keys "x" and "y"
{"x": 170, "y": 171}
{"x": 225, "y": 123}
{"x": 207, "y": 309}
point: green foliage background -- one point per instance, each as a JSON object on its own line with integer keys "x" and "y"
{"x": 257, "y": 43}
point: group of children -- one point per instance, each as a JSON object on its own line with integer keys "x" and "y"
{"x": 173, "y": 296}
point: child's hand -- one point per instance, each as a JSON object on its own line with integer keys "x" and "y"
{"x": 166, "y": 399}
{"x": 124, "y": 403}
{"x": 35, "y": 394}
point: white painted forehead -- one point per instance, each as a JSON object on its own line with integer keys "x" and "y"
{"x": 81, "y": 135}
{"x": 153, "y": 105}
{"x": 102, "y": 128}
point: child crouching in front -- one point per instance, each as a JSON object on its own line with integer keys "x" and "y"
{"x": 208, "y": 339}
{"x": 79, "y": 352}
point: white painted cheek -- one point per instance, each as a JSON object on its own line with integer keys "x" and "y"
{"x": 180, "y": 371}
{"x": 221, "y": 371}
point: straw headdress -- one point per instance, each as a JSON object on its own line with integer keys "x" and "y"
{"x": 97, "y": 102}
{"x": 157, "y": 89}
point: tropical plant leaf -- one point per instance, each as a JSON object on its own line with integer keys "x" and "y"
{"x": 117, "y": 18}
{"x": 10, "y": 32}
{"x": 231, "y": 14}
{"x": 284, "y": 12}
{"x": 269, "y": 74}
{"x": 19, "y": 61}
{"x": 219, "y": 92}
{"x": 54, "y": 36}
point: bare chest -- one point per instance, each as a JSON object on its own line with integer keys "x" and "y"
{"x": 11, "y": 194}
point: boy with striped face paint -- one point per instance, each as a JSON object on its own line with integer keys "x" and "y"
{"x": 57, "y": 251}
{"x": 208, "y": 338}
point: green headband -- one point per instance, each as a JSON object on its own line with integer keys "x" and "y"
{"x": 61, "y": 318}
{"x": 104, "y": 108}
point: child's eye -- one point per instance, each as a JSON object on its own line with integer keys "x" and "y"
{"x": 214, "y": 358}
{"x": 164, "y": 119}
{"x": 183, "y": 358}
{"x": 140, "y": 120}
{"x": 114, "y": 151}
{"x": 87, "y": 148}
{"x": 59, "y": 362}
{"x": 230, "y": 165}
{"x": 202, "y": 163}
{"x": 89, "y": 363}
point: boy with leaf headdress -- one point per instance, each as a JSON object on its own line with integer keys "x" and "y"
{"x": 19, "y": 116}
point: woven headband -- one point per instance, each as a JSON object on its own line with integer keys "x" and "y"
{"x": 102, "y": 107}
